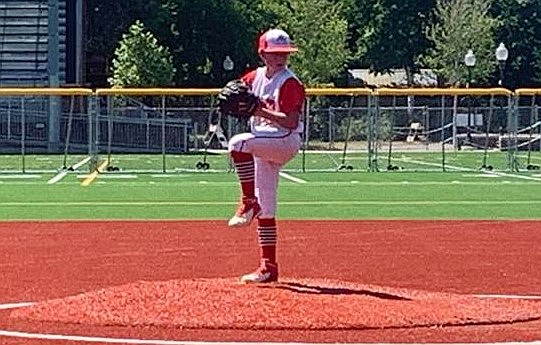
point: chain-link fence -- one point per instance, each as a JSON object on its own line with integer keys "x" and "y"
{"x": 161, "y": 130}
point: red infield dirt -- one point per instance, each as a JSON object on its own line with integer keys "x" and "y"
{"x": 341, "y": 281}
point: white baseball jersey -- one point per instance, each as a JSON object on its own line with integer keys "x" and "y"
{"x": 269, "y": 91}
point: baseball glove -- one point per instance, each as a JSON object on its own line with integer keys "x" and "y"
{"x": 235, "y": 99}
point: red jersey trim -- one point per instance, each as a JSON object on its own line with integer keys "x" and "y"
{"x": 292, "y": 93}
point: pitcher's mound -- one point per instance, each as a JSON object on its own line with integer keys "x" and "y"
{"x": 303, "y": 304}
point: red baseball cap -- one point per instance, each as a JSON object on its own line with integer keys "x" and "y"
{"x": 276, "y": 41}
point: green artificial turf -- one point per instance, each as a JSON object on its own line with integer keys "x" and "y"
{"x": 311, "y": 195}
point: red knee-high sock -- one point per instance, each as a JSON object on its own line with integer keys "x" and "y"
{"x": 244, "y": 165}
{"x": 266, "y": 232}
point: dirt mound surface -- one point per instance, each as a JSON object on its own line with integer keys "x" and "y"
{"x": 304, "y": 304}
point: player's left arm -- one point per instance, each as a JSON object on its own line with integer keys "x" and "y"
{"x": 291, "y": 101}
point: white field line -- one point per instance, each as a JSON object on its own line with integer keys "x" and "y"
{"x": 81, "y": 163}
{"x": 291, "y": 203}
{"x": 187, "y": 342}
{"x": 481, "y": 175}
{"x": 466, "y": 169}
{"x": 24, "y": 335}
{"x": 432, "y": 164}
{"x": 112, "y": 176}
{"x": 178, "y": 182}
{"x": 208, "y": 171}
{"x": 57, "y": 177}
{"x": 63, "y": 173}
{"x": 528, "y": 297}
{"x": 291, "y": 178}
{"x": 19, "y": 176}
{"x": 16, "y": 305}
{"x": 110, "y": 340}
{"x": 531, "y": 178}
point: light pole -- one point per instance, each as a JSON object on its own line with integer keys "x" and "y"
{"x": 469, "y": 60}
{"x": 501, "y": 55}
{"x": 228, "y": 66}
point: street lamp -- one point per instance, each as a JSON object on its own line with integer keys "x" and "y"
{"x": 501, "y": 55}
{"x": 228, "y": 64}
{"x": 469, "y": 60}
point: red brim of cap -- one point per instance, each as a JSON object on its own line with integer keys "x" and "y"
{"x": 288, "y": 49}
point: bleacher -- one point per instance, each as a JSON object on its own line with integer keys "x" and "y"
{"x": 26, "y": 30}
{"x": 24, "y": 36}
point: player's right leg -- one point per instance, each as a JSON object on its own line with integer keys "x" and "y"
{"x": 267, "y": 272}
{"x": 267, "y": 177}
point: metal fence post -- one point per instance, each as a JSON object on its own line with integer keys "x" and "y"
{"x": 455, "y": 116}
{"x": 371, "y": 140}
{"x": 92, "y": 141}
{"x": 23, "y": 134}
{"x": 163, "y": 133}
{"x": 306, "y": 133}
{"x": 512, "y": 125}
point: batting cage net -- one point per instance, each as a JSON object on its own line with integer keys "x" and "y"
{"x": 353, "y": 129}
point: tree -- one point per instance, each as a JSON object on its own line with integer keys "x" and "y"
{"x": 320, "y": 31}
{"x": 140, "y": 61}
{"x": 389, "y": 34}
{"x": 461, "y": 25}
{"x": 521, "y": 33}
{"x": 202, "y": 33}
{"x": 104, "y": 23}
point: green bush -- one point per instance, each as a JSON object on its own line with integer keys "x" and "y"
{"x": 140, "y": 61}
